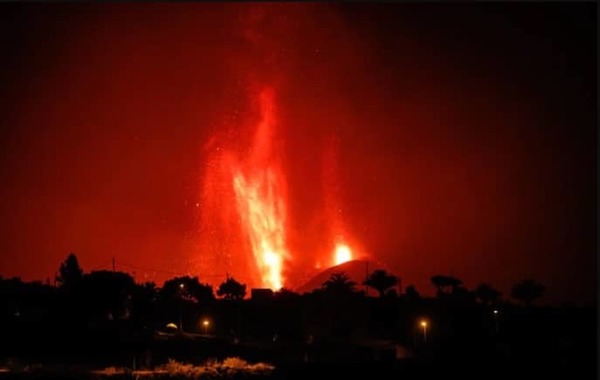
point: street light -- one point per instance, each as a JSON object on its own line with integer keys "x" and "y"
{"x": 495, "y": 312}
{"x": 181, "y": 287}
{"x": 424, "y": 327}
{"x": 205, "y": 324}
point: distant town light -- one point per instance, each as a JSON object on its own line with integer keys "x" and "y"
{"x": 423, "y": 325}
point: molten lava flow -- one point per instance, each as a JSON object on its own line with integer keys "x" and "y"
{"x": 342, "y": 254}
{"x": 260, "y": 198}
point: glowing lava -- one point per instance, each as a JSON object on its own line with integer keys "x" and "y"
{"x": 342, "y": 254}
{"x": 260, "y": 198}
{"x": 247, "y": 229}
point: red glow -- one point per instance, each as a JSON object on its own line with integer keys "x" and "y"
{"x": 124, "y": 141}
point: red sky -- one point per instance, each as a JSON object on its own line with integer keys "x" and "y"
{"x": 463, "y": 136}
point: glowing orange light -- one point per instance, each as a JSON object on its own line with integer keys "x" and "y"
{"x": 342, "y": 254}
{"x": 260, "y": 199}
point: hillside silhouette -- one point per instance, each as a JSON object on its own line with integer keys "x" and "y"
{"x": 356, "y": 270}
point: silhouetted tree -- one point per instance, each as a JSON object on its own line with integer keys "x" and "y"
{"x": 439, "y": 282}
{"x": 29, "y": 302}
{"x": 487, "y": 294}
{"x": 186, "y": 288}
{"x": 182, "y": 298}
{"x": 108, "y": 293}
{"x": 11, "y": 296}
{"x": 462, "y": 295}
{"x": 143, "y": 302}
{"x": 527, "y": 291}
{"x": 231, "y": 289}
{"x": 411, "y": 293}
{"x": 338, "y": 299}
{"x": 339, "y": 283}
{"x": 381, "y": 281}
{"x": 70, "y": 273}
{"x": 147, "y": 291}
{"x": 445, "y": 284}
{"x": 286, "y": 294}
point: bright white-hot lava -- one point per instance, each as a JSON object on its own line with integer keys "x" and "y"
{"x": 342, "y": 254}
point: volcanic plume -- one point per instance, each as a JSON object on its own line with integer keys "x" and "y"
{"x": 244, "y": 209}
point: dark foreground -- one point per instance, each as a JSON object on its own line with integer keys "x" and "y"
{"x": 401, "y": 370}
{"x": 474, "y": 362}
{"x": 553, "y": 344}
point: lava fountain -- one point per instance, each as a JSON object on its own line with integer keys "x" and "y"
{"x": 245, "y": 215}
{"x": 260, "y": 198}
{"x": 244, "y": 201}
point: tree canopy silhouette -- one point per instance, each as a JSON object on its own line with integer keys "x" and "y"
{"x": 411, "y": 293}
{"x": 445, "y": 284}
{"x": 487, "y": 294}
{"x": 144, "y": 301}
{"x": 188, "y": 289}
{"x": 527, "y": 291}
{"x": 339, "y": 283}
{"x": 109, "y": 292}
{"x": 231, "y": 289}
{"x": 69, "y": 272}
{"x": 285, "y": 294}
{"x": 381, "y": 281}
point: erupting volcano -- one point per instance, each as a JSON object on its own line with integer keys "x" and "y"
{"x": 279, "y": 142}
{"x": 245, "y": 199}
{"x": 245, "y": 214}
